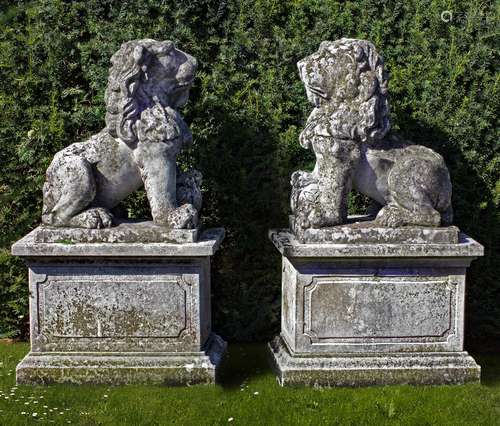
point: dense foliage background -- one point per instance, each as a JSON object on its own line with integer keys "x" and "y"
{"x": 246, "y": 111}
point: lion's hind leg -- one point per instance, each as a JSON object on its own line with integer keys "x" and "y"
{"x": 70, "y": 187}
{"x": 411, "y": 191}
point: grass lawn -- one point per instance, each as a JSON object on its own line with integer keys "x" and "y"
{"x": 248, "y": 395}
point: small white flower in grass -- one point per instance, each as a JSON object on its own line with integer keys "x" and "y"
{"x": 35, "y": 414}
{"x": 230, "y": 419}
{"x": 62, "y": 412}
{"x": 44, "y": 414}
{"x": 27, "y": 403}
{"x": 45, "y": 406}
{"x": 105, "y": 396}
{"x": 256, "y": 393}
{"x": 23, "y": 412}
{"x": 67, "y": 409}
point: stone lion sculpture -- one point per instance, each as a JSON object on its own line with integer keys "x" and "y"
{"x": 348, "y": 132}
{"x": 149, "y": 80}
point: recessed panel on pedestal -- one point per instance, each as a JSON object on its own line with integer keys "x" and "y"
{"x": 386, "y": 309}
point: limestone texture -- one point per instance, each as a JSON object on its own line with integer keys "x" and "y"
{"x": 125, "y": 231}
{"x": 287, "y": 243}
{"x": 353, "y": 370}
{"x": 148, "y": 82}
{"x": 363, "y": 313}
{"x": 348, "y": 130}
{"x": 362, "y": 230}
{"x": 170, "y": 369}
{"x": 206, "y": 245}
{"x": 119, "y": 312}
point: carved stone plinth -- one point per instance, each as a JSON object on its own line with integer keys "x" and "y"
{"x": 119, "y": 312}
{"x": 373, "y": 314}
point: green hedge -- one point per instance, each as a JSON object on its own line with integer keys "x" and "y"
{"x": 246, "y": 111}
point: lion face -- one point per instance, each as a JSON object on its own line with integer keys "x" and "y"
{"x": 346, "y": 79}
{"x": 169, "y": 76}
{"x": 145, "y": 72}
{"x": 322, "y": 74}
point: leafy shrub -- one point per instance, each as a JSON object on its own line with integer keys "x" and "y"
{"x": 246, "y": 111}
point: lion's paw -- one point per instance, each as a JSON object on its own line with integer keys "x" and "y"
{"x": 94, "y": 218}
{"x": 391, "y": 217}
{"x": 183, "y": 217}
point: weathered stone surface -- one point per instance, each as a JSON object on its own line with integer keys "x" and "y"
{"x": 367, "y": 231}
{"x": 361, "y": 314}
{"x": 451, "y": 368}
{"x": 288, "y": 245}
{"x": 206, "y": 245}
{"x": 372, "y": 306}
{"x": 348, "y": 130}
{"x": 125, "y": 231}
{"x": 120, "y": 312}
{"x": 119, "y": 369}
{"x": 149, "y": 80}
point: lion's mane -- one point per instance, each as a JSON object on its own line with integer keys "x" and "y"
{"x": 125, "y": 98}
{"x": 349, "y": 76}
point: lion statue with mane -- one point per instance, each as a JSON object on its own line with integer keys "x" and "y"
{"x": 149, "y": 80}
{"x": 348, "y": 130}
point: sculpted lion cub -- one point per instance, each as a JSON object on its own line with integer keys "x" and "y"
{"x": 347, "y": 130}
{"x": 149, "y": 80}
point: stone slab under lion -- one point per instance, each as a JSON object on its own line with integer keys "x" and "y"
{"x": 124, "y": 231}
{"x": 363, "y": 229}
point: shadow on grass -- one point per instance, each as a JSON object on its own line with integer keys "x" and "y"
{"x": 490, "y": 368}
{"x": 243, "y": 361}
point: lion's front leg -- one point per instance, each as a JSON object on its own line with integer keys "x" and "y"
{"x": 159, "y": 176}
{"x": 335, "y": 161}
{"x": 157, "y": 165}
{"x": 334, "y": 188}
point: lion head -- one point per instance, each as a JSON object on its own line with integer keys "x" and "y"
{"x": 145, "y": 72}
{"x": 345, "y": 80}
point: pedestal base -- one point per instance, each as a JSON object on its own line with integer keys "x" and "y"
{"x": 431, "y": 368}
{"x": 119, "y": 312}
{"x": 123, "y": 368}
{"x": 373, "y": 313}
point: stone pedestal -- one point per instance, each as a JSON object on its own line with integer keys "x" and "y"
{"x": 119, "y": 312}
{"x": 359, "y": 313}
